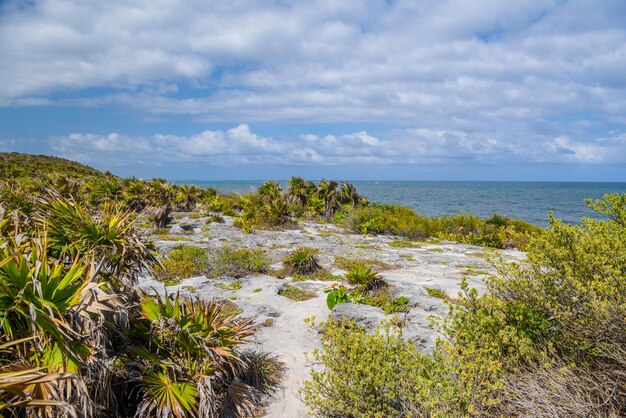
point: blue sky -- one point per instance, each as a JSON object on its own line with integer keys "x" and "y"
{"x": 425, "y": 90}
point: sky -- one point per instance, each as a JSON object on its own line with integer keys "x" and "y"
{"x": 355, "y": 90}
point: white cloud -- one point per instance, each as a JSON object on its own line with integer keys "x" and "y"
{"x": 241, "y": 146}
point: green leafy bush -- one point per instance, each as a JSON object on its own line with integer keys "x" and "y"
{"x": 183, "y": 261}
{"x": 365, "y": 375}
{"x": 230, "y": 262}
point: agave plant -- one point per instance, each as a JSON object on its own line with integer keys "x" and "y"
{"x": 190, "y": 358}
{"x": 109, "y": 239}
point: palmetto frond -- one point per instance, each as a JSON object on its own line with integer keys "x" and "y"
{"x": 109, "y": 239}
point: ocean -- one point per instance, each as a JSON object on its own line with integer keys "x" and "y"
{"x": 530, "y": 201}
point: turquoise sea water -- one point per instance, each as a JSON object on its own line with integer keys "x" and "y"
{"x": 530, "y": 201}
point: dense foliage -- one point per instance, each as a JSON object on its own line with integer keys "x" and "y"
{"x": 25, "y": 166}
{"x": 78, "y": 339}
{"x": 546, "y": 339}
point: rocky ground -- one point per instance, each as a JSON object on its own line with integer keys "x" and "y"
{"x": 411, "y": 269}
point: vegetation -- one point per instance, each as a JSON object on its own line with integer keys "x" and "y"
{"x": 230, "y": 262}
{"x": 547, "y": 338}
{"x": 349, "y": 263}
{"x": 295, "y": 293}
{"x": 183, "y": 261}
{"x": 364, "y": 278}
{"x": 25, "y": 166}
{"x": 496, "y": 231}
{"x": 78, "y": 339}
{"x": 302, "y": 261}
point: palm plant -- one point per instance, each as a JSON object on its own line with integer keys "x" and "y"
{"x": 109, "y": 239}
{"x": 187, "y": 197}
{"x": 190, "y": 362}
{"x": 161, "y": 196}
{"x": 327, "y": 191}
{"x": 60, "y": 307}
{"x": 348, "y": 195}
{"x": 135, "y": 194}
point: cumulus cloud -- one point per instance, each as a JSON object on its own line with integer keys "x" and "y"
{"x": 240, "y": 145}
{"x": 484, "y": 80}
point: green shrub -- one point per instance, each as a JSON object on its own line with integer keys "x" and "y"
{"x": 364, "y": 277}
{"x": 388, "y": 219}
{"x": 348, "y": 263}
{"x": 366, "y": 375}
{"x": 230, "y": 262}
{"x": 183, "y": 261}
{"x": 384, "y": 299}
{"x": 301, "y": 261}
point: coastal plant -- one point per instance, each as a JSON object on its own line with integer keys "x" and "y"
{"x": 190, "y": 359}
{"x": 295, "y": 293}
{"x": 368, "y": 375}
{"x": 109, "y": 239}
{"x": 301, "y": 261}
{"x": 337, "y": 294}
{"x": 181, "y": 262}
{"x": 227, "y": 261}
{"x": 364, "y": 278}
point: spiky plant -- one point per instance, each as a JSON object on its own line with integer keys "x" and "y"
{"x": 190, "y": 362}
{"x": 109, "y": 239}
{"x": 327, "y": 192}
{"x": 161, "y": 196}
{"x": 302, "y": 260}
{"x": 187, "y": 196}
{"x": 62, "y": 306}
{"x": 364, "y": 277}
{"x": 28, "y": 391}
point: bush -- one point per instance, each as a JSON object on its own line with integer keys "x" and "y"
{"x": 388, "y": 219}
{"x": 229, "y": 262}
{"x": 301, "y": 261}
{"x": 183, "y": 261}
{"x": 364, "y": 277}
{"x": 366, "y": 375}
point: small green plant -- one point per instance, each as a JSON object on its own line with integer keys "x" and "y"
{"x": 257, "y": 290}
{"x": 401, "y": 243}
{"x": 364, "y": 278}
{"x": 236, "y": 285}
{"x": 230, "y": 262}
{"x": 301, "y": 261}
{"x": 295, "y": 293}
{"x": 348, "y": 263}
{"x": 337, "y": 294}
{"x": 215, "y": 219}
